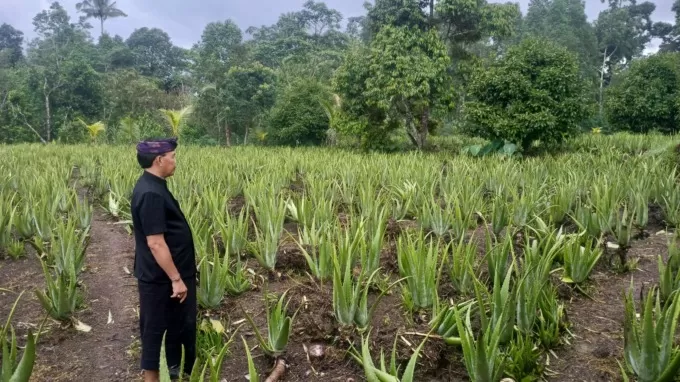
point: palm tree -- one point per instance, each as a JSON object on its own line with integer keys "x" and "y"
{"x": 175, "y": 117}
{"x": 100, "y": 9}
{"x": 94, "y": 129}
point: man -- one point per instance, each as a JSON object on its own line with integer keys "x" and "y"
{"x": 165, "y": 265}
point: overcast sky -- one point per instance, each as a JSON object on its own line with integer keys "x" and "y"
{"x": 184, "y": 20}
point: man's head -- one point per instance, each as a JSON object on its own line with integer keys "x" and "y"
{"x": 157, "y": 156}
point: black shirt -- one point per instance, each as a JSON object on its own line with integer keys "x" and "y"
{"x": 156, "y": 211}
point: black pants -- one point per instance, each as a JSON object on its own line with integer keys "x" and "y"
{"x": 159, "y": 313}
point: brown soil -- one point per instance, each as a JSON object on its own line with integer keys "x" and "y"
{"x": 597, "y": 323}
{"x": 110, "y": 351}
{"x": 65, "y": 354}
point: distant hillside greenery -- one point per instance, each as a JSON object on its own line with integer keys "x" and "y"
{"x": 405, "y": 72}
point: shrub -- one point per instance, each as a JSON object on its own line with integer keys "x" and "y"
{"x": 298, "y": 117}
{"x": 534, "y": 93}
{"x": 647, "y": 97}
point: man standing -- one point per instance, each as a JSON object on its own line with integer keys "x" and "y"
{"x": 165, "y": 265}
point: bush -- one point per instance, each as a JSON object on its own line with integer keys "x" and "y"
{"x": 298, "y": 117}
{"x": 534, "y": 93}
{"x": 647, "y": 97}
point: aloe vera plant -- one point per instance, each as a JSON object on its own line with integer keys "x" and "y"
{"x": 385, "y": 373}
{"x": 418, "y": 259}
{"x": 10, "y": 369}
{"x": 579, "y": 260}
{"x": 234, "y": 232}
{"x": 218, "y": 278}
{"x": 278, "y": 327}
{"x": 648, "y": 341}
{"x": 463, "y": 258}
{"x": 484, "y": 360}
{"x": 317, "y": 247}
{"x": 59, "y": 299}
{"x": 669, "y": 280}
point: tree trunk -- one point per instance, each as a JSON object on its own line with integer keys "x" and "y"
{"x": 227, "y": 134}
{"x": 102, "y": 21}
{"x": 245, "y": 137}
{"x": 604, "y": 63}
{"x": 431, "y": 12}
{"x": 48, "y": 115}
{"x": 424, "y": 128}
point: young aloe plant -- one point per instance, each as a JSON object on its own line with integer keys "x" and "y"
{"x": 217, "y": 278}
{"x": 266, "y": 246}
{"x": 669, "y": 280}
{"x": 278, "y": 327}
{"x": 418, "y": 259}
{"x": 59, "y": 299}
{"x": 234, "y": 232}
{"x": 648, "y": 341}
{"x": 375, "y": 228}
{"x": 551, "y": 319}
{"x": 462, "y": 274}
{"x": 435, "y": 218}
{"x": 10, "y": 369}
{"x": 385, "y": 374}
{"x": 484, "y": 360}
{"x": 316, "y": 246}
{"x": 252, "y": 372}
{"x": 579, "y": 260}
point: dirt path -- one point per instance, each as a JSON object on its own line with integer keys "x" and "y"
{"x": 109, "y": 351}
{"x": 598, "y": 324}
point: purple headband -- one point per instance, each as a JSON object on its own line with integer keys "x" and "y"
{"x": 159, "y": 147}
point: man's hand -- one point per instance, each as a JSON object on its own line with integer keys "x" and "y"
{"x": 179, "y": 290}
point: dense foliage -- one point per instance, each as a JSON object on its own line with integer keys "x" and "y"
{"x": 534, "y": 93}
{"x": 401, "y": 73}
{"x": 647, "y": 98}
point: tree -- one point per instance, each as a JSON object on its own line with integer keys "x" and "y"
{"x": 99, "y": 9}
{"x": 10, "y": 44}
{"x": 395, "y": 13}
{"x": 220, "y": 48}
{"x": 297, "y": 117}
{"x": 647, "y": 97}
{"x": 358, "y": 115}
{"x": 298, "y": 35}
{"x": 668, "y": 33}
{"x": 94, "y": 130}
{"x": 565, "y": 22}
{"x": 533, "y": 93}
{"x": 175, "y": 119}
{"x": 623, "y": 31}
{"x": 58, "y": 67}
{"x": 155, "y": 55}
{"x": 251, "y": 92}
{"x": 408, "y": 78}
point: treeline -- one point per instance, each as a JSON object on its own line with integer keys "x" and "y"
{"x": 403, "y": 72}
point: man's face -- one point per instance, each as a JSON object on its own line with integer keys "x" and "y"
{"x": 167, "y": 164}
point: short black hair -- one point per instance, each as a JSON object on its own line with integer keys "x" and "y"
{"x": 146, "y": 160}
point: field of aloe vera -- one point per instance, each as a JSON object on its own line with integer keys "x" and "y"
{"x": 327, "y": 265}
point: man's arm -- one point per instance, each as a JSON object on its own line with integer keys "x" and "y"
{"x": 161, "y": 252}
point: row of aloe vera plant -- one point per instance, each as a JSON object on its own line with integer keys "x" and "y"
{"x": 343, "y": 204}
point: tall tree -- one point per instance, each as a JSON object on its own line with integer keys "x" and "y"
{"x": 221, "y": 48}
{"x": 298, "y": 35}
{"x": 99, "y": 9}
{"x": 623, "y": 31}
{"x": 59, "y": 66}
{"x": 670, "y": 34}
{"x": 404, "y": 79}
{"x": 155, "y": 55}
{"x": 565, "y": 22}
{"x": 10, "y": 44}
